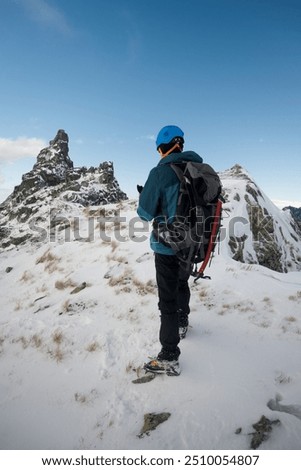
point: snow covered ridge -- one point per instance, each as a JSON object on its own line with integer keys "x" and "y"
{"x": 56, "y": 202}
{"x": 255, "y": 230}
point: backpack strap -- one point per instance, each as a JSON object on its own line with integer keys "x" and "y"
{"x": 185, "y": 187}
{"x": 178, "y": 171}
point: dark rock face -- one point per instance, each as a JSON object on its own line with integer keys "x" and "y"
{"x": 295, "y": 211}
{"x": 53, "y": 180}
{"x": 51, "y": 167}
{"x": 296, "y": 214}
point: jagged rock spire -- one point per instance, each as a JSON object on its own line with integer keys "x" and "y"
{"x": 53, "y": 182}
{"x": 53, "y": 162}
{"x": 61, "y": 138}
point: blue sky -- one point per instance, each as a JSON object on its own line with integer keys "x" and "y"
{"x": 113, "y": 72}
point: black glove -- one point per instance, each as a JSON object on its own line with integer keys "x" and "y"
{"x": 139, "y": 188}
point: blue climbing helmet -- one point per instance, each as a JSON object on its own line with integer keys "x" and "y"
{"x": 167, "y": 134}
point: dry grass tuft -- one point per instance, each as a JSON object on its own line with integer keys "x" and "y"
{"x": 86, "y": 398}
{"x": 296, "y": 297}
{"x": 57, "y": 337}
{"x": 144, "y": 288}
{"x": 291, "y": 319}
{"x": 34, "y": 341}
{"x": 121, "y": 280}
{"x": 18, "y": 305}
{"x": 24, "y": 341}
{"x": 61, "y": 285}
{"x": 26, "y": 276}
{"x": 114, "y": 245}
{"x": 66, "y": 306}
{"x": 203, "y": 293}
{"x": 93, "y": 347}
{"x": 57, "y": 355}
{"x": 118, "y": 258}
{"x": 50, "y": 261}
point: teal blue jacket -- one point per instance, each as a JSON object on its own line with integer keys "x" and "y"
{"x": 159, "y": 197}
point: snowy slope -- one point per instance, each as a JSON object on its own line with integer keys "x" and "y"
{"x": 257, "y": 231}
{"x": 79, "y": 318}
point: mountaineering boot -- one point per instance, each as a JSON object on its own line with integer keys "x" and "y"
{"x": 183, "y": 323}
{"x": 157, "y": 366}
{"x": 165, "y": 363}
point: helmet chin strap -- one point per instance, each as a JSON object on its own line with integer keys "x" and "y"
{"x": 169, "y": 151}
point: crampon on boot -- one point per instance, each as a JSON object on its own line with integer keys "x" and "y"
{"x": 157, "y": 366}
{"x": 167, "y": 362}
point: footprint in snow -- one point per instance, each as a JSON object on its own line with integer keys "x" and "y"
{"x": 294, "y": 410}
{"x": 144, "y": 257}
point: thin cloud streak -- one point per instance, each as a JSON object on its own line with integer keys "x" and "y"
{"x": 146, "y": 137}
{"x": 46, "y": 15}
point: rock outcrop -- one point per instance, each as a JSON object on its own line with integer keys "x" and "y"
{"x": 295, "y": 212}
{"x": 52, "y": 182}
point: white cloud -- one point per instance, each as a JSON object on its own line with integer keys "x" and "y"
{"x": 22, "y": 147}
{"x": 282, "y": 203}
{"x": 46, "y": 15}
{"x": 146, "y": 137}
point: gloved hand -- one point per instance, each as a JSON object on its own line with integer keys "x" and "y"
{"x": 139, "y": 188}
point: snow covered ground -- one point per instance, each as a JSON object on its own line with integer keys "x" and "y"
{"x": 79, "y": 318}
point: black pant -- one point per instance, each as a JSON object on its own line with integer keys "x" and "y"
{"x": 174, "y": 294}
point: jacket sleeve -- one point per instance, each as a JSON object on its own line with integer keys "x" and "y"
{"x": 149, "y": 200}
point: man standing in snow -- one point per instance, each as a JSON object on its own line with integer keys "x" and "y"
{"x": 158, "y": 202}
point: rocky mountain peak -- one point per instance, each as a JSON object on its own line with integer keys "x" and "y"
{"x": 61, "y": 139}
{"x": 55, "y": 173}
{"x": 236, "y": 172}
{"x": 56, "y": 156}
{"x": 54, "y": 182}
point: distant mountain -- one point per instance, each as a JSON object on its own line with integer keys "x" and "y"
{"x": 254, "y": 229}
{"x": 296, "y": 213}
{"x": 54, "y": 184}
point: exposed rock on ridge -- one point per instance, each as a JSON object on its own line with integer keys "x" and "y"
{"x": 255, "y": 230}
{"x": 55, "y": 172}
{"x": 296, "y": 213}
{"x": 53, "y": 181}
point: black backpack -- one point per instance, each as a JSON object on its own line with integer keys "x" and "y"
{"x": 193, "y": 232}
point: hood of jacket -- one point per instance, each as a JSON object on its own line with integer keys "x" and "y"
{"x": 180, "y": 157}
